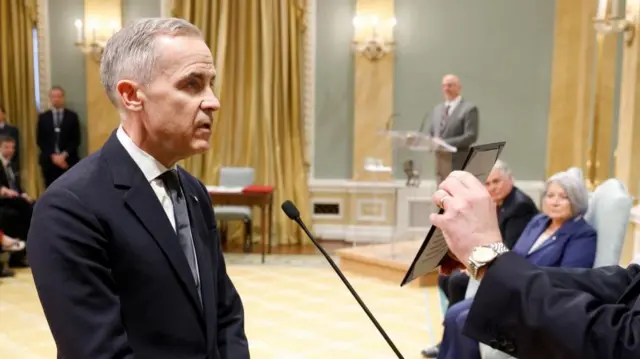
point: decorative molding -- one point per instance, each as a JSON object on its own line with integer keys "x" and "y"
{"x": 346, "y": 185}
{"x": 355, "y": 233}
{"x": 360, "y": 216}
{"x": 328, "y": 200}
{"x": 165, "y": 8}
{"x": 309, "y": 92}
{"x": 44, "y": 53}
{"x": 406, "y": 197}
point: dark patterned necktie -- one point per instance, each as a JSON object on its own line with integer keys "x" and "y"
{"x": 183, "y": 227}
{"x": 11, "y": 177}
{"x": 57, "y": 119}
{"x": 443, "y": 121}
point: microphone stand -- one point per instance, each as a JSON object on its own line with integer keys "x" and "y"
{"x": 349, "y": 287}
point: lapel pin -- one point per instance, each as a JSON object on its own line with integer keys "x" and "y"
{"x": 194, "y": 197}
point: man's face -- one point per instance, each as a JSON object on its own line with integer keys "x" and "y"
{"x": 56, "y": 96}
{"x": 177, "y": 106}
{"x": 450, "y": 87}
{"x": 499, "y": 185}
{"x": 7, "y": 149}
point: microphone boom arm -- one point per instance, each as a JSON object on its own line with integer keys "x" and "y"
{"x": 292, "y": 212}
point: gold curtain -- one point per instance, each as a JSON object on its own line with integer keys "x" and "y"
{"x": 257, "y": 47}
{"x": 17, "y": 84}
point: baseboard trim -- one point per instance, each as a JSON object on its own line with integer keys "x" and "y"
{"x": 354, "y": 233}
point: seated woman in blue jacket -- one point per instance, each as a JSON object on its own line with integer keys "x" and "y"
{"x": 557, "y": 237}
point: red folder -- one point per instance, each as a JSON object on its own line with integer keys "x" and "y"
{"x": 258, "y": 189}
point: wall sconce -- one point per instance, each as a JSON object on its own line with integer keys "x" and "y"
{"x": 369, "y": 41}
{"x": 94, "y": 46}
{"x": 613, "y": 22}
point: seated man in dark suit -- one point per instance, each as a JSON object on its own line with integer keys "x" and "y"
{"x": 16, "y": 206}
{"x": 13, "y": 132}
{"x": 515, "y": 210}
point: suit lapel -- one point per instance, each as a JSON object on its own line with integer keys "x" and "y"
{"x": 144, "y": 204}
{"x": 530, "y": 239}
{"x": 453, "y": 116}
{"x": 204, "y": 252}
{"x": 559, "y": 234}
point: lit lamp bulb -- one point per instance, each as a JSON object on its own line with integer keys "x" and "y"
{"x": 78, "y": 24}
{"x": 114, "y": 27}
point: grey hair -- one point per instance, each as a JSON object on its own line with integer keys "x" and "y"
{"x": 503, "y": 167}
{"x": 130, "y": 53}
{"x": 575, "y": 189}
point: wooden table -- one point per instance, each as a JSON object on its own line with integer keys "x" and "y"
{"x": 262, "y": 200}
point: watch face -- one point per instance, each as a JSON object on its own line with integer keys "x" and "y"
{"x": 483, "y": 254}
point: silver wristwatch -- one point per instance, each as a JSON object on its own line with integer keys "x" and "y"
{"x": 483, "y": 255}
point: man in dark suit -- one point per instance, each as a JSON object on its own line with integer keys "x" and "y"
{"x": 16, "y": 207}
{"x": 124, "y": 247}
{"x": 515, "y": 209}
{"x": 58, "y": 137}
{"x": 456, "y": 122}
{"x": 13, "y": 132}
{"x": 527, "y": 311}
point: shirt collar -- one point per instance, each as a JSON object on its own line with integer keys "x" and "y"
{"x": 149, "y": 166}
{"x": 5, "y": 162}
{"x": 454, "y": 102}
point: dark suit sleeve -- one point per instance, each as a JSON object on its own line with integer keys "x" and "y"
{"x": 232, "y": 340}
{"x": 516, "y": 224}
{"x": 74, "y": 141}
{"x": 68, "y": 256}
{"x": 41, "y": 137}
{"x": 16, "y": 155}
{"x": 531, "y": 312}
{"x": 470, "y": 134}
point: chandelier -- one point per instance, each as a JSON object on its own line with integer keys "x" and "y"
{"x": 93, "y": 44}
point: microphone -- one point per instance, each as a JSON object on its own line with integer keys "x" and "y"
{"x": 292, "y": 212}
{"x": 424, "y": 121}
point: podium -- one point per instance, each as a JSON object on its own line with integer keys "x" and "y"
{"x": 412, "y": 155}
{"x": 388, "y": 206}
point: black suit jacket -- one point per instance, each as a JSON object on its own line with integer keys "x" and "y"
{"x": 69, "y": 136}
{"x": 4, "y": 181}
{"x": 110, "y": 273}
{"x": 532, "y": 312}
{"x": 13, "y": 132}
{"x": 514, "y": 214}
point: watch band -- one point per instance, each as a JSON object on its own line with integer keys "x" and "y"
{"x": 475, "y": 263}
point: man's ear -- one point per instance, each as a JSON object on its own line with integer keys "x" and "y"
{"x": 129, "y": 94}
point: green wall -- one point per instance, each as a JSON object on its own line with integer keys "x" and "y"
{"x": 501, "y": 49}
{"x": 67, "y": 63}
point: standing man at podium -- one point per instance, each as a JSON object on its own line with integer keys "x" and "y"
{"x": 455, "y": 121}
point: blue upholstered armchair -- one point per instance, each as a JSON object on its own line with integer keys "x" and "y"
{"x": 609, "y": 212}
{"x": 236, "y": 177}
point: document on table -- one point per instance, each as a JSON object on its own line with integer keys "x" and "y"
{"x": 479, "y": 162}
{"x": 223, "y": 189}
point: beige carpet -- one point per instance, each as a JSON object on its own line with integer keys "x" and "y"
{"x": 291, "y": 312}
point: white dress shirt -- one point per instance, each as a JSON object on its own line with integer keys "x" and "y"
{"x": 451, "y": 105}
{"x": 540, "y": 241}
{"x": 151, "y": 169}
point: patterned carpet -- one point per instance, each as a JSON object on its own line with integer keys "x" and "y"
{"x": 296, "y": 307}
